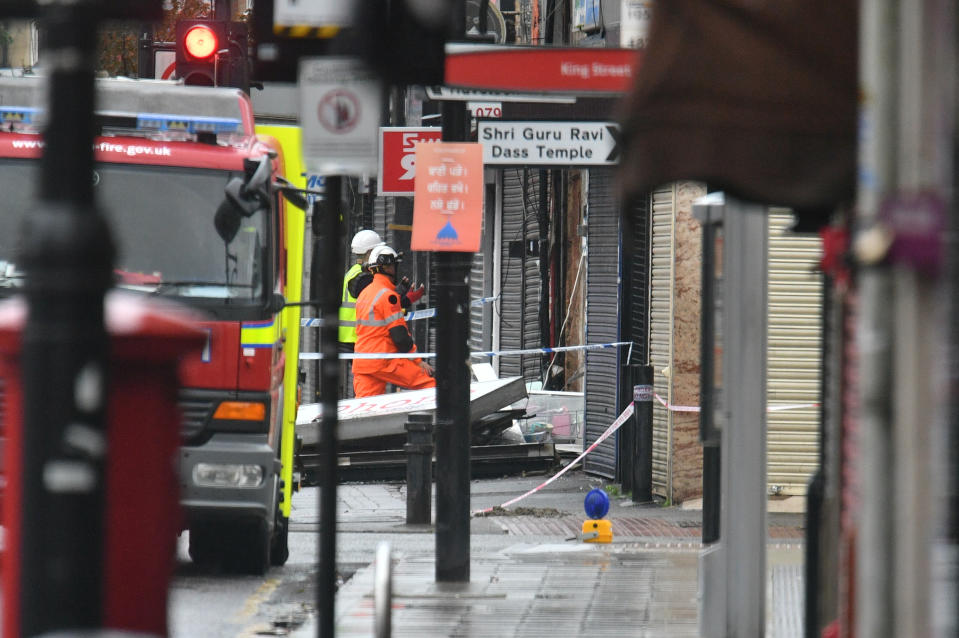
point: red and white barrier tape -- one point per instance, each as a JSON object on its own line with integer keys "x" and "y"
{"x": 772, "y": 408}
{"x": 791, "y": 406}
{"x": 676, "y": 408}
{"x": 620, "y": 420}
{"x": 628, "y": 412}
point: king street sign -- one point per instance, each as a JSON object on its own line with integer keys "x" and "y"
{"x": 549, "y": 143}
{"x": 536, "y": 69}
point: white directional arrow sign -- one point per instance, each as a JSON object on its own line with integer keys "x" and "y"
{"x": 549, "y": 143}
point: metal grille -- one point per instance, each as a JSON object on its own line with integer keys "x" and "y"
{"x": 520, "y": 288}
{"x": 532, "y": 365}
{"x": 661, "y": 327}
{"x": 635, "y": 323}
{"x": 794, "y": 355}
{"x": 481, "y": 281}
{"x": 195, "y": 412}
{"x": 602, "y": 321}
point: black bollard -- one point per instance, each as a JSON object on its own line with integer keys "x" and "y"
{"x": 642, "y": 469}
{"x": 419, "y": 467}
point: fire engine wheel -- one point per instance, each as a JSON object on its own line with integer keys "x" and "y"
{"x": 203, "y": 545}
{"x": 237, "y": 546}
{"x": 280, "y": 547}
{"x": 253, "y": 555}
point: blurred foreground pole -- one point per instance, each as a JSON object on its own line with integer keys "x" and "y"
{"x": 740, "y": 611}
{"x": 67, "y": 257}
{"x": 710, "y": 342}
{"x": 326, "y": 218}
{"x": 453, "y": 378}
{"x": 871, "y": 612}
{"x": 904, "y": 195}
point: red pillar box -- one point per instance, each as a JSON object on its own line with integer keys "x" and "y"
{"x": 142, "y": 501}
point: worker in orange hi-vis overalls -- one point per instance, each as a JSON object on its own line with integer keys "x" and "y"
{"x": 381, "y": 328}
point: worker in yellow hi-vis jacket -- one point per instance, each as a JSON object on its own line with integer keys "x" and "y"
{"x": 363, "y": 242}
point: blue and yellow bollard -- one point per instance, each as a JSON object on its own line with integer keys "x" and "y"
{"x": 597, "y": 529}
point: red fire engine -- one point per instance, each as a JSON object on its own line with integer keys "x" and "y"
{"x": 188, "y": 188}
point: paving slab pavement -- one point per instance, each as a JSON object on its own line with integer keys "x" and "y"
{"x": 527, "y": 578}
{"x": 536, "y": 590}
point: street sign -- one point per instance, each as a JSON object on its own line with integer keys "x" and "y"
{"x": 635, "y": 19}
{"x": 569, "y": 70}
{"x": 448, "y": 204}
{"x": 340, "y": 109}
{"x": 549, "y": 143}
{"x": 485, "y": 109}
{"x": 164, "y": 64}
{"x": 397, "y": 165}
{"x": 472, "y": 95}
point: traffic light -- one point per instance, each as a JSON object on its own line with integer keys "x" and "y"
{"x": 212, "y": 53}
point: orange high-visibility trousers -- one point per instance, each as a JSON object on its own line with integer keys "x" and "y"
{"x": 400, "y": 372}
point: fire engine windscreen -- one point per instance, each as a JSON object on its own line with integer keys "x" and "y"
{"x": 162, "y": 220}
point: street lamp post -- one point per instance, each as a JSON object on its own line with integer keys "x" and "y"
{"x": 453, "y": 377}
{"x": 67, "y": 257}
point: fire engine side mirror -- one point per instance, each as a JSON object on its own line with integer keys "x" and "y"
{"x": 292, "y": 194}
{"x": 241, "y": 200}
{"x": 276, "y": 303}
{"x": 245, "y": 200}
{"x": 226, "y": 221}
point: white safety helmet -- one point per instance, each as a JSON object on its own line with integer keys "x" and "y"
{"x": 382, "y": 256}
{"x": 364, "y": 241}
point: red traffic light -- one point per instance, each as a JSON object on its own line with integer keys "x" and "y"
{"x": 212, "y": 53}
{"x": 200, "y": 41}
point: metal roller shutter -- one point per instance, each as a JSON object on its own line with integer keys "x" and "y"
{"x": 794, "y": 356}
{"x": 634, "y": 315}
{"x": 532, "y": 365}
{"x": 481, "y": 283}
{"x": 379, "y": 210}
{"x": 602, "y": 321}
{"x": 635, "y": 322}
{"x": 520, "y": 289}
{"x": 661, "y": 330}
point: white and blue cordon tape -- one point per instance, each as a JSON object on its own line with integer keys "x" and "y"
{"x": 487, "y": 353}
{"x": 425, "y": 313}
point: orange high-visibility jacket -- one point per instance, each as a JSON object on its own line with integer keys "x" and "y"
{"x": 378, "y": 309}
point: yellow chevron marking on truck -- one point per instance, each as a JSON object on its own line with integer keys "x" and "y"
{"x": 306, "y": 31}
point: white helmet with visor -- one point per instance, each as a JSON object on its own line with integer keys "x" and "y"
{"x": 382, "y": 256}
